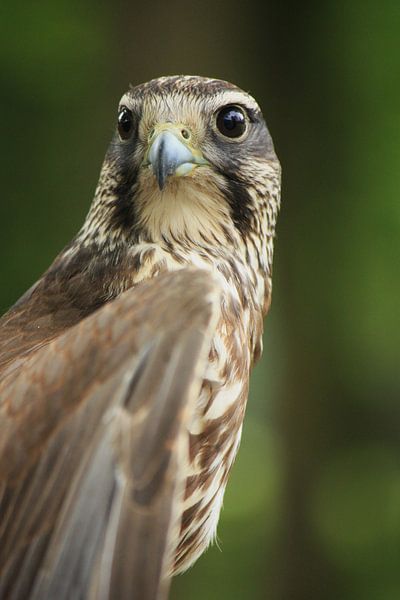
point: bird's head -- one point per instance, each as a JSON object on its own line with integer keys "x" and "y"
{"x": 191, "y": 161}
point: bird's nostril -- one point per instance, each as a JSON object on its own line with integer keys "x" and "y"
{"x": 185, "y": 134}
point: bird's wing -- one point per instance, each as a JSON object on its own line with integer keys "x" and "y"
{"x": 92, "y": 437}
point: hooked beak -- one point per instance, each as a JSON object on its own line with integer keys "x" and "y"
{"x": 171, "y": 154}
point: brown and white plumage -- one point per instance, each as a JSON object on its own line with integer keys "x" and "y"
{"x": 124, "y": 371}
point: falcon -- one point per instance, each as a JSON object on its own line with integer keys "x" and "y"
{"x": 124, "y": 371}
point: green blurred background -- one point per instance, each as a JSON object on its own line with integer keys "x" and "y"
{"x": 312, "y": 510}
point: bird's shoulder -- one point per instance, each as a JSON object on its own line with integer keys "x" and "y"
{"x": 74, "y": 286}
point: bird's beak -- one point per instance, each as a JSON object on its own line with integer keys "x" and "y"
{"x": 170, "y": 153}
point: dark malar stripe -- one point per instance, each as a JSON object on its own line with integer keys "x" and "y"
{"x": 240, "y": 202}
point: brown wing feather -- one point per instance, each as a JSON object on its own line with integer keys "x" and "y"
{"x": 91, "y": 427}
{"x": 75, "y": 285}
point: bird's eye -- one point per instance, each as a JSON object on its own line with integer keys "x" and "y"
{"x": 231, "y": 121}
{"x": 125, "y": 122}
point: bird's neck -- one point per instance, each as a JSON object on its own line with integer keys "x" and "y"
{"x": 189, "y": 224}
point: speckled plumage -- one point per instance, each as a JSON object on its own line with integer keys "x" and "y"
{"x": 214, "y": 226}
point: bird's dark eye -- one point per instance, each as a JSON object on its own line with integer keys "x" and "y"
{"x": 125, "y": 122}
{"x": 231, "y": 121}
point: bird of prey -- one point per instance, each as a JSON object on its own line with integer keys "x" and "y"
{"x": 124, "y": 371}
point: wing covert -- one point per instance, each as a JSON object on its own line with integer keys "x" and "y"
{"x": 92, "y": 435}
